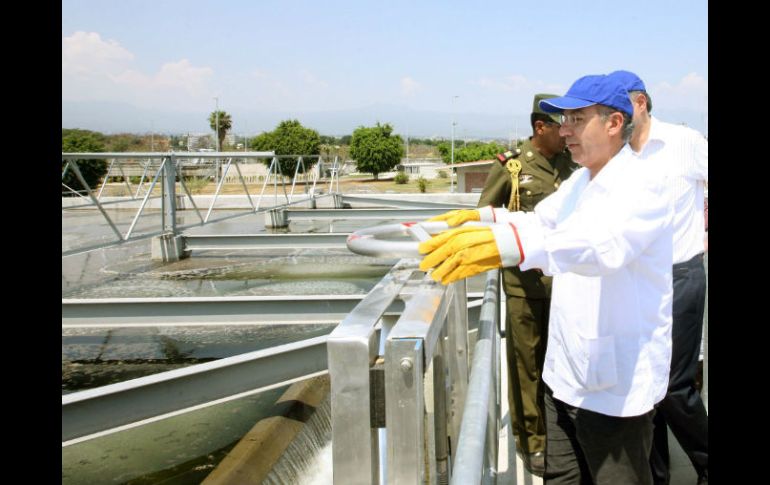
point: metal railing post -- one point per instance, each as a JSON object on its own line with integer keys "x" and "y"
{"x": 405, "y": 397}
{"x": 457, "y": 358}
{"x": 415, "y": 380}
{"x": 169, "y": 195}
{"x": 352, "y": 349}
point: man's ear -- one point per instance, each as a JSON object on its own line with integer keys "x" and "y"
{"x": 616, "y": 123}
{"x": 640, "y": 101}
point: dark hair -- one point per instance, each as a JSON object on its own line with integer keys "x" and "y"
{"x": 539, "y": 117}
{"x": 646, "y": 96}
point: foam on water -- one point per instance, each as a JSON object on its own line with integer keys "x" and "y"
{"x": 308, "y": 457}
{"x": 134, "y": 287}
{"x": 306, "y": 287}
{"x": 294, "y": 274}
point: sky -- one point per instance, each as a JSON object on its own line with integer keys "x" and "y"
{"x": 142, "y": 66}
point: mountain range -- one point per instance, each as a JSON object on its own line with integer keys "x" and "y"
{"x": 112, "y": 117}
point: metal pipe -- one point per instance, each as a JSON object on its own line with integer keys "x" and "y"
{"x": 144, "y": 201}
{"x": 189, "y": 195}
{"x": 133, "y": 155}
{"x": 168, "y": 211}
{"x": 267, "y": 180}
{"x": 219, "y": 187}
{"x": 125, "y": 179}
{"x": 469, "y": 463}
{"x": 106, "y": 177}
{"x": 94, "y": 199}
{"x": 243, "y": 182}
{"x": 296, "y": 171}
{"x": 110, "y": 202}
{"x": 141, "y": 180}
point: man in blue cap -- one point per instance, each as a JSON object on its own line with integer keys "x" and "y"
{"x": 523, "y": 177}
{"x": 606, "y": 237}
{"x": 680, "y": 155}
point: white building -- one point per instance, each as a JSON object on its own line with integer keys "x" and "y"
{"x": 426, "y": 167}
{"x": 471, "y": 176}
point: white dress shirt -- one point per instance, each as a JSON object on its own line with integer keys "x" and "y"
{"x": 608, "y": 244}
{"x": 681, "y": 155}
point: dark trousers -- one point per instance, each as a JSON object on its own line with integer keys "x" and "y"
{"x": 585, "y": 447}
{"x": 526, "y": 331}
{"x": 682, "y": 409}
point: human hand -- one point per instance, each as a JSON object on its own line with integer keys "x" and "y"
{"x": 460, "y": 253}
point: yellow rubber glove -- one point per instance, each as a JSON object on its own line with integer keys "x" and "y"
{"x": 460, "y": 253}
{"x": 463, "y": 265}
{"x": 457, "y": 217}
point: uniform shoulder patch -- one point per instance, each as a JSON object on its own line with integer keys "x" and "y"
{"x": 505, "y": 156}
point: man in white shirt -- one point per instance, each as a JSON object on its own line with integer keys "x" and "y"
{"x": 680, "y": 155}
{"x": 606, "y": 236}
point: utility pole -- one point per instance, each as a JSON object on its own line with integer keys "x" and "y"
{"x": 216, "y": 122}
{"x": 451, "y": 165}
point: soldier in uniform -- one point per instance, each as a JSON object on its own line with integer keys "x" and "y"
{"x": 518, "y": 180}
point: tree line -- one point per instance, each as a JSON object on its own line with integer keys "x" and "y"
{"x": 375, "y": 149}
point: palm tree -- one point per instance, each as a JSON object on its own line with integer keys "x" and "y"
{"x": 225, "y": 123}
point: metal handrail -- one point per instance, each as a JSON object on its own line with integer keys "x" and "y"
{"x": 427, "y": 399}
{"x": 472, "y": 445}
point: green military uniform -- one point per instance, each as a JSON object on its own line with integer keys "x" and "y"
{"x": 528, "y": 292}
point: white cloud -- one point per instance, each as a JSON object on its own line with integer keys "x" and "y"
{"x": 86, "y": 54}
{"x": 173, "y": 76}
{"x": 97, "y": 70}
{"x": 689, "y": 93}
{"x": 409, "y": 86}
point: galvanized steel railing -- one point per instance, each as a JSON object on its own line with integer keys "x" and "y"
{"x": 421, "y": 381}
{"x": 409, "y": 376}
{"x": 170, "y": 165}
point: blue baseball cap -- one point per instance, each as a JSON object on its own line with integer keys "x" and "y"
{"x": 591, "y": 90}
{"x": 629, "y": 80}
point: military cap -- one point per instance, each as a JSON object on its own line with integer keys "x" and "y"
{"x": 536, "y": 106}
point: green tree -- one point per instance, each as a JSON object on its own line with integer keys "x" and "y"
{"x": 289, "y": 138}
{"x": 225, "y": 123}
{"x": 470, "y": 153}
{"x": 375, "y": 150}
{"x": 81, "y": 141}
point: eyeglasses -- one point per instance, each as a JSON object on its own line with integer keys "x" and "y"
{"x": 574, "y": 120}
